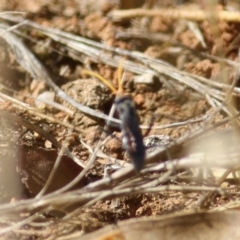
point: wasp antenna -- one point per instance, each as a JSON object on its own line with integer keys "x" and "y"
{"x": 120, "y": 76}
{"x": 102, "y": 79}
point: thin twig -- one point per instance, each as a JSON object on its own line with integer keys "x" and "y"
{"x": 193, "y": 15}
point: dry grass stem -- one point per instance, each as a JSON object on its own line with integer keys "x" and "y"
{"x": 194, "y": 15}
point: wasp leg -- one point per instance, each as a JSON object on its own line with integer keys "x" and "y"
{"x": 149, "y": 128}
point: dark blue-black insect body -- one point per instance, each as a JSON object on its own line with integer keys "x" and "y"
{"x": 132, "y": 140}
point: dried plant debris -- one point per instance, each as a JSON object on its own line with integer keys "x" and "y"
{"x": 64, "y": 169}
{"x": 188, "y": 226}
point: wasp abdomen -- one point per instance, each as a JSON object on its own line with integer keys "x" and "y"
{"x": 132, "y": 135}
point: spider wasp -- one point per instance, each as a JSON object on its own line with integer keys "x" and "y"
{"x": 132, "y": 140}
